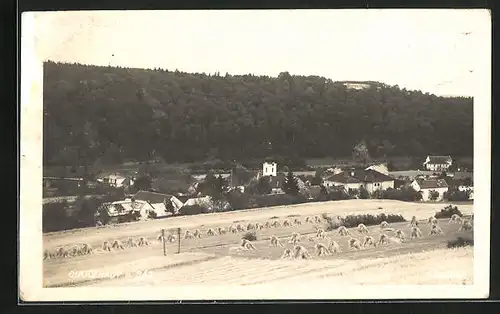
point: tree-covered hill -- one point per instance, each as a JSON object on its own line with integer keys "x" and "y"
{"x": 115, "y": 114}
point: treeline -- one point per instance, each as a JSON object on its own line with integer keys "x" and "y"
{"x": 109, "y": 115}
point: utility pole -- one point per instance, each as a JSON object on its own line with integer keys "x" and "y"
{"x": 178, "y": 240}
{"x": 163, "y": 242}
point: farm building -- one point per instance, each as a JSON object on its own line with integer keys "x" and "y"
{"x": 119, "y": 209}
{"x": 370, "y": 179}
{"x": 427, "y": 186}
{"x": 115, "y": 180}
{"x": 160, "y": 202}
{"x": 437, "y": 163}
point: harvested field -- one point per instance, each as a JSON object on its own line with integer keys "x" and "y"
{"x": 151, "y": 229}
{"x": 383, "y": 270}
{"x": 207, "y": 257}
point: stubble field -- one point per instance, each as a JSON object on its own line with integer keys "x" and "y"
{"x": 212, "y": 259}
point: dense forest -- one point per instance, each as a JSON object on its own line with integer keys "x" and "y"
{"x": 114, "y": 114}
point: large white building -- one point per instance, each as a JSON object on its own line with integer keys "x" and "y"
{"x": 437, "y": 163}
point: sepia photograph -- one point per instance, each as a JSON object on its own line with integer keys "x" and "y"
{"x": 255, "y": 154}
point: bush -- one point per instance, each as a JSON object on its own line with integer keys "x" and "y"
{"x": 129, "y": 217}
{"x": 239, "y": 200}
{"x": 55, "y": 217}
{"x": 456, "y": 196}
{"x": 250, "y": 236}
{"x": 460, "y": 242}
{"x": 363, "y": 193}
{"x": 353, "y": 193}
{"x": 192, "y": 210}
{"x": 404, "y": 194}
{"x": 152, "y": 214}
{"x": 278, "y": 200}
{"x": 448, "y": 211}
{"x": 433, "y": 195}
{"x": 352, "y": 221}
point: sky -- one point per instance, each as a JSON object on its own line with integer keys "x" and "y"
{"x": 435, "y": 51}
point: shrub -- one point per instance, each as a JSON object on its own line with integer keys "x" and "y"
{"x": 152, "y": 214}
{"x": 55, "y": 216}
{"x": 404, "y": 194}
{"x": 274, "y": 217}
{"x": 460, "y": 242}
{"x": 278, "y": 200}
{"x": 363, "y": 193}
{"x": 448, "y": 211}
{"x": 250, "y": 236}
{"x": 352, "y": 221}
{"x": 239, "y": 200}
{"x": 433, "y": 195}
{"x": 353, "y": 193}
{"x": 456, "y": 196}
{"x": 129, "y": 217}
{"x": 192, "y": 210}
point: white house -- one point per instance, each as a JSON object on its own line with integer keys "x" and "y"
{"x": 427, "y": 186}
{"x": 122, "y": 208}
{"x": 437, "y": 163}
{"x": 370, "y": 179}
{"x": 115, "y": 180}
{"x": 269, "y": 169}
{"x": 159, "y": 202}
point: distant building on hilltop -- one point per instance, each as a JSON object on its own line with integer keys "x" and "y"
{"x": 358, "y": 85}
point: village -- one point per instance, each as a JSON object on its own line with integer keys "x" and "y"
{"x": 146, "y": 196}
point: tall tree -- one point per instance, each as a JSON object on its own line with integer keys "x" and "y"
{"x": 119, "y": 114}
{"x": 143, "y": 183}
{"x": 290, "y": 186}
{"x": 263, "y": 185}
